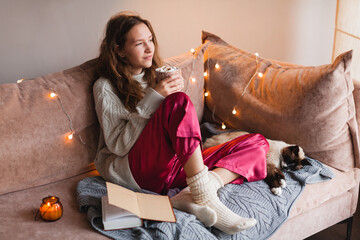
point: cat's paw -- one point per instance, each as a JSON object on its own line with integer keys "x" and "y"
{"x": 283, "y": 183}
{"x": 276, "y": 191}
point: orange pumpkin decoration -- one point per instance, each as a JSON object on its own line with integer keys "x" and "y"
{"x": 51, "y": 208}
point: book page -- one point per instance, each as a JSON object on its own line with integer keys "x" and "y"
{"x": 123, "y": 198}
{"x": 113, "y": 212}
{"x": 117, "y": 218}
{"x": 155, "y": 207}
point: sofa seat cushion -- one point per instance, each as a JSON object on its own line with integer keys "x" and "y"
{"x": 308, "y": 223}
{"x": 316, "y": 194}
{"x": 18, "y": 210}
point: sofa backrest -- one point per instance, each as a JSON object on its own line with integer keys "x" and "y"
{"x": 34, "y": 127}
{"x": 191, "y": 64}
{"x": 35, "y": 148}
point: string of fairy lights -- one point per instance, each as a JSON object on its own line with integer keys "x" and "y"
{"x": 52, "y": 94}
{"x": 72, "y": 132}
{"x": 217, "y": 67}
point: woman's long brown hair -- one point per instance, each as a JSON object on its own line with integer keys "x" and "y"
{"x": 117, "y": 69}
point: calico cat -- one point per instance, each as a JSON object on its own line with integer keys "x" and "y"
{"x": 279, "y": 157}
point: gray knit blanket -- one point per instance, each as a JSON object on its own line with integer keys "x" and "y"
{"x": 253, "y": 200}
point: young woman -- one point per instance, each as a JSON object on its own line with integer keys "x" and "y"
{"x": 150, "y": 135}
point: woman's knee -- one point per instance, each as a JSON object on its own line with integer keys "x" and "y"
{"x": 178, "y": 102}
{"x": 178, "y": 97}
{"x": 261, "y": 138}
{"x": 253, "y": 139}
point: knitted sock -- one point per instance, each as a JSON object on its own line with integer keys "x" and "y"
{"x": 184, "y": 202}
{"x": 203, "y": 192}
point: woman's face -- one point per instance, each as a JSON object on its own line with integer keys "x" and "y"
{"x": 139, "y": 48}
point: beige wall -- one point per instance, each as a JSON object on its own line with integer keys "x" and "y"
{"x": 347, "y": 34}
{"x": 44, "y": 36}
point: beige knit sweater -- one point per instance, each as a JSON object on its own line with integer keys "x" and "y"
{"x": 119, "y": 129}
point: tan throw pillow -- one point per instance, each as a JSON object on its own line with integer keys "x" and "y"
{"x": 34, "y": 148}
{"x": 312, "y": 106}
{"x": 192, "y": 69}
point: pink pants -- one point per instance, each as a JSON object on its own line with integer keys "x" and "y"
{"x": 170, "y": 138}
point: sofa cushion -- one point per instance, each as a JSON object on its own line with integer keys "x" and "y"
{"x": 310, "y": 106}
{"x": 316, "y": 194}
{"x": 311, "y": 222}
{"x": 192, "y": 69}
{"x": 34, "y": 127}
{"x": 18, "y": 211}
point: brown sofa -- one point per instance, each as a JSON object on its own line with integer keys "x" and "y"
{"x": 37, "y": 159}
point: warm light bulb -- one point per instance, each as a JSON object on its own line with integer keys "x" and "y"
{"x": 20, "y": 80}
{"x": 70, "y": 136}
{"x": 234, "y": 111}
{"x": 223, "y": 126}
{"x": 206, "y": 94}
{"x": 193, "y": 79}
{"x": 192, "y": 50}
{"x": 205, "y": 74}
{"x": 52, "y": 95}
{"x": 217, "y": 66}
{"x": 260, "y": 74}
{"x": 256, "y": 54}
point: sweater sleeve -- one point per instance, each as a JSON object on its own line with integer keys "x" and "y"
{"x": 120, "y": 127}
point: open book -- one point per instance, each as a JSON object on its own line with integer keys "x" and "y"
{"x": 123, "y": 208}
